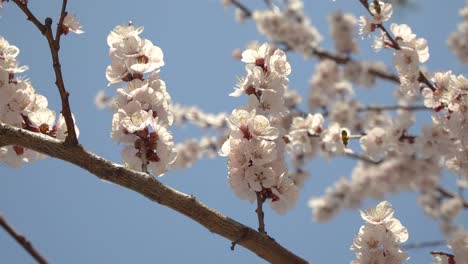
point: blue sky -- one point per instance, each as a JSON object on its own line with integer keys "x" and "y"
{"x": 72, "y": 217}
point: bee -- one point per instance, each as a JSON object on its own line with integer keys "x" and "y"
{"x": 345, "y": 136}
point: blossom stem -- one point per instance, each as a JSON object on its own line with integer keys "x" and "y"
{"x": 144, "y": 159}
{"x": 260, "y": 214}
{"x": 22, "y": 240}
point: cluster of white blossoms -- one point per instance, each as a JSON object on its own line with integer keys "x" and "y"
{"x": 342, "y": 26}
{"x": 255, "y": 147}
{"x": 289, "y": 26}
{"x": 192, "y": 150}
{"x": 458, "y": 40}
{"x": 22, "y": 107}
{"x": 359, "y": 72}
{"x": 378, "y": 240}
{"x": 375, "y": 181}
{"x": 447, "y": 136}
{"x": 142, "y": 105}
{"x": 459, "y": 245}
{"x": 409, "y": 50}
{"x": 380, "y": 11}
{"x": 327, "y": 85}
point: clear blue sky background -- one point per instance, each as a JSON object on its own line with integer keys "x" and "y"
{"x": 72, "y": 217}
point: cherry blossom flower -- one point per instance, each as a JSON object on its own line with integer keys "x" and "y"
{"x": 131, "y": 56}
{"x": 381, "y": 11}
{"x": 258, "y": 57}
{"x": 43, "y": 120}
{"x": 70, "y": 23}
{"x": 374, "y": 143}
{"x": 365, "y": 26}
{"x": 458, "y": 39}
{"x": 119, "y": 33}
{"x": 290, "y": 26}
{"x": 459, "y": 244}
{"x": 288, "y": 194}
{"x": 378, "y": 240}
{"x": 249, "y": 125}
{"x": 405, "y": 37}
{"x": 62, "y": 130}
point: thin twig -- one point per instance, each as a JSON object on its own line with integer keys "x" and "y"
{"x": 426, "y": 244}
{"x": 449, "y": 256}
{"x": 30, "y": 16}
{"x": 22, "y": 240}
{"x": 362, "y": 158}
{"x": 381, "y": 108}
{"x": 244, "y": 235}
{"x": 260, "y": 214}
{"x": 322, "y": 54}
{"x": 384, "y": 75}
{"x": 59, "y": 31}
{"x": 447, "y": 193}
{"x": 393, "y": 107}
{"x": 46, "y": 30}
{"x": 242, "y": 7}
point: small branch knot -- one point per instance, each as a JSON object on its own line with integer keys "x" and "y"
{"x": 48, "y": 22}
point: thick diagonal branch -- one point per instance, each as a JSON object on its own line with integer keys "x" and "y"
{"x": 22, "y": 240}
{"x": 260, "y": 244}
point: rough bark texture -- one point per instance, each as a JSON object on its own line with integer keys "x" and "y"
{"x": 262, "y": 245}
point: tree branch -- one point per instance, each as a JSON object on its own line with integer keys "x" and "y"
{"x": 424, "y": 244}
{"x": 393, "y": 107}
{"x": 22, "y": 240}
{"x": 46, "y": 30}
{"x": 362, "y": 158}
{"x": 322, "y": 54}
{"x": 59, "y": 31}
{"x": 30, "y": 16}
{"x": 447, "y": 193}
{"x": 242, "y": 7}
{"x": 260, "y": 244}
